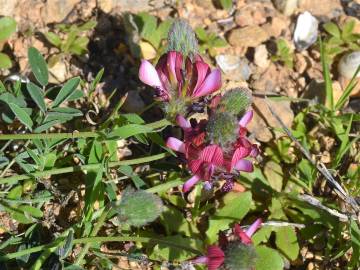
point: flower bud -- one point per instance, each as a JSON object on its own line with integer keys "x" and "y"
{"x": 222, "y": 128}
{"x": 138, "y": 207}
{"x": 235, "y": 101}
{"x": 239, "y": 256}
{"x": 181, "y": 38}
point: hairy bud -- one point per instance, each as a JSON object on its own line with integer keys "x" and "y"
{"x": 236, "y": 101}
{"x": 239, "y": 256}
{"x": 181, "y": 38}
{"x": 138, "y": 207}
{"x": 222, "y": 128}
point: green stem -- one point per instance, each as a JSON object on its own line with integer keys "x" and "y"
{"x": 165, "y": 186}
{"x": 94, "y": 232}
{"x": 101, "y": 240}
{"x": 70, "y": 135}
{"x": 16, "y": 178}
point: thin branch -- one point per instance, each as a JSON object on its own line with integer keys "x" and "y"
{"x": 315, "y": 202}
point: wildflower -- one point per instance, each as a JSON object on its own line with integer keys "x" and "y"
{"x": 235, "y": 254}
{"x": 245, "y": 236}
{"x": 213, "y": 259}
{"x": 176, "y": 78}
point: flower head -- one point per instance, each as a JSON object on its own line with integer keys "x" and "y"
{"x": 177, "y": 78}
{"x": 213, "y": 259}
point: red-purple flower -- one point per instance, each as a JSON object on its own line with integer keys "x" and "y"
{"x": 216, "y": 257}
{"x": 213, "y": 259}
{"x": 173, "y": 77}
{"x": 245, "y": 236}
{"x": 203, "y": 159}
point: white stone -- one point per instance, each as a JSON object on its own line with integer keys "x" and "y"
{"x": 306, "y": 31}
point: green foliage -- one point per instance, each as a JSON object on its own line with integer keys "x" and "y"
{"x": 287, "y": 243}
{"x": 69, "y": 39}
{"x": 268, "y": 258}
{"x": 7, "y": 28}
{"x": 208, "y": 42}
{"x": 239, "y": 256}
{"x": 340, "y": 39}
{"x": 284, "y": 54}
{"x": 226, "y": 4}
{"x": 234, "y": 207}
{"x": 152, "y": 31}
{"x": 138, "y": 208}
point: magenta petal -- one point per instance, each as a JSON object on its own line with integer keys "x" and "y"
{"x": 149, "y": 75}
{"x": 212, "y": 83}
{"x": 246, "y": 118}
{"x": 212, "y": 154}
{"x": 201, "y": 71}
{"x": 176, "y": 145}
{"x": 215, "y": 257}
{"x": 245, "y": 239}
{"x": 240, "y": 153}
{"x": 200, "y": 260}
{"x": 252, "y": 229}
{"x": 183, "y": 122}
{"x": 244, "y": 165}
{"x": 190, "y": 183}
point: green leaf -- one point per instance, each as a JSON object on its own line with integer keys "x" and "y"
{"x": 15, "y": 193}
{"x": 37, "y": 95}
{"x": 32, "y": 211}
{"x": 21, "y": 115}
{"x": 328, "y": 83}
{"x": 172, "y": 253}
{"x": 5, "y": 61}
{"x": 347, "y": 29}
{"x": 274, "y": 175}
{"x": 129, "y": 130}
{"x": 235, "y": 207}
{"x": 96, "y": 80}
{"x": 47, "y": 125}
{"x": 226, "y": 4}
{"x": 88, "y": 25}
{"x": 268, "y": 258}
{"x": 38, "y": 66}
{"x": 201, "y": 34}
{"x": 263, "y": 235}
{"x": 66, "y": 91}
{"x": 287, "y": 242}
{"x": 53, "y": 38}
{"x": 7, "y": 28}
{"x": 355, "y": 243}
{"x": 332, "y": 29}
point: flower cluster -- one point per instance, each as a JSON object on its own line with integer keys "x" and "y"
{"x": 237, "y": 253}
{"x": 214, "y": 148}
{"x": 209, "y": 161}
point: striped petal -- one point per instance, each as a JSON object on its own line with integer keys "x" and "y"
{"x": 215, "y": 257}
{"x": 190, "y": 183}
{"x": 149, "y": 75}
{"x": 240, "y": 153}
{"x": 244, "y": 165}
{"x": 211, "y": 83}
{"x": 212, "y": 154}
{"x": 176, "y": 145}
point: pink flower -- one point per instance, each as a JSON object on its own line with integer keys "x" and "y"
{"x": 175, "y": 78}
{"x": 245, "y": 236}
{"x": 213, "y": 259}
